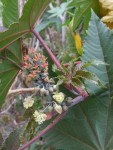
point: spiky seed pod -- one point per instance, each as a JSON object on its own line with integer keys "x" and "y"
{"x": 50, "y": 108}
{"x": 65, "y": 108}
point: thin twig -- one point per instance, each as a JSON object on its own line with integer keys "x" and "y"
{"x": 51, "y": 125}
{"x": 21, "y": 90}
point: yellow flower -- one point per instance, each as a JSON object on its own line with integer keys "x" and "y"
{"x": 39, "y": 117}
{"x": 28, "y": 102}
{"x": 59, "y": 97}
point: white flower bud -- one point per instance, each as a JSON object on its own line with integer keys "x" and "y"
{"x": 58, "y": 108}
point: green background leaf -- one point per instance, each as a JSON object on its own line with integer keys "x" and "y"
{"x": 12, "y": 142}
{"x": 9, "y": 70}
{"x": 31, "y": 13}
{"x": 10, "y": 12}
{"x": 83, "y": 11}
{"x": 89, "y": 125}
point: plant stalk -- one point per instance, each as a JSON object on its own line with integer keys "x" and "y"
{"x": 43, "y": 132}
{"x": 57, "y": 63}
{"x": 51, "y": 125}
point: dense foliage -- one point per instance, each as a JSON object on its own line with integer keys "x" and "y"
{"x": 39, "y": 84}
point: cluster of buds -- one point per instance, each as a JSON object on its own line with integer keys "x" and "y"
{"x": 36, "y": 69}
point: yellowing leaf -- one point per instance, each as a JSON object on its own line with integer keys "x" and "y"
{"x": 78, "y": 43}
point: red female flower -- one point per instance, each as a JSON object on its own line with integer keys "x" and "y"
{"x": 44, "y": 65}
{"x": 32, "y": 74}
{"x": 37, "y": 57}
{"x": 27, "y": 65}
{"x": 26, "y": 58}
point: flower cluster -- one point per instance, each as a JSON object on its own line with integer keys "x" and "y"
{"x": 36, "y": 68}
{"x": 28, "y": 102}
{"x": 34, "y": 65}
{"x": 40, "y": 117}
{"x": 59, "y": 97}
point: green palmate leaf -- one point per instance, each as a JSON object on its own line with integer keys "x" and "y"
{"x": 10, "y": 60}
{"x": 59, "y": 10}
{"x": 83, "y": 11}
{"x": 89, "y": 76}
{"x": 10, "y": 12}
{"x": 12, "y": 142}
{"x": 71, "y": 52}
{"x": 31, "y": 13}
{"x": 78, "y": 83}
{"x": 89, "y": 125}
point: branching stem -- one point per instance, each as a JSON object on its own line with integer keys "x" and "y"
{"x": 57, "y": 63}
{"x": 51, "y": 125}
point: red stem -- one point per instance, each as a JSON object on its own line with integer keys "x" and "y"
{"x": 51, "y": 125}
{"x": 57, "y": 63}
{"x": 43, "y": 132}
